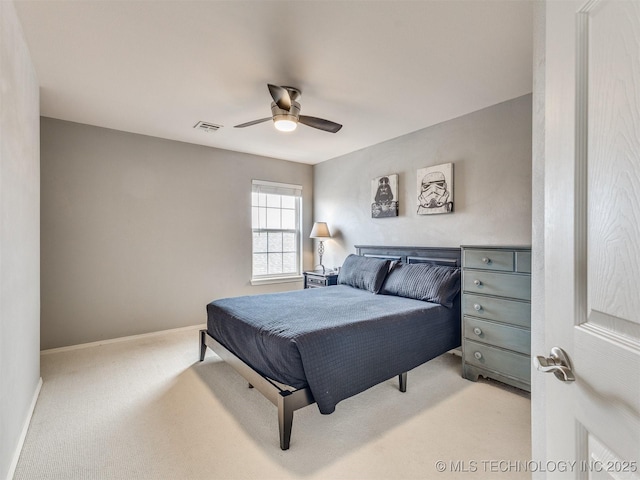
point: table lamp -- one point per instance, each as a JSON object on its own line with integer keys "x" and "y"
{"x": 320, "y": 230}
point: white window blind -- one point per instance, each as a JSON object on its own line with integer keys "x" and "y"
{"x": 276, "y": 212}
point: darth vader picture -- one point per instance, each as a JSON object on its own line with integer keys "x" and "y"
{"x": 384, "y": 191}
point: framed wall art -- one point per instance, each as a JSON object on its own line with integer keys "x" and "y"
{"x": 384, "y": 196}
{"x": 435, "y": 189}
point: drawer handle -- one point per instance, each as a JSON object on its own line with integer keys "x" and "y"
{"x": 486, "y": 260}
{"x": 477, "y": 307}
{"x": 477, "y": 331}
{"x": 477, "y": 283}
{"x": 478, "y": 355}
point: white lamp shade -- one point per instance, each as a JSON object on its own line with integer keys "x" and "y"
{"x": 285, "y": 123}
{"x": 320, "y": 230}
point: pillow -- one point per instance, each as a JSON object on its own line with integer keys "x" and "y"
{"x": 423, "y": 281}
{"x": 366, "y": 273}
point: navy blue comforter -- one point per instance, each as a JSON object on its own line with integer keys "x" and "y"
{"x": 336, "y": 340}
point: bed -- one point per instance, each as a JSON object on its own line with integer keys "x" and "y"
{"x": 394, "y": 308}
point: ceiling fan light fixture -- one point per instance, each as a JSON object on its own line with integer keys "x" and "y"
{"x": 285, "y": 112}
{"x": 285, "y": 123}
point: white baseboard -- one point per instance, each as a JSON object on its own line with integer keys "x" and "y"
{"x": 25, "y": 429}
{"x": 119, "y": 339}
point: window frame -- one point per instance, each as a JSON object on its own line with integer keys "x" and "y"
{"x": 281, "y": 189}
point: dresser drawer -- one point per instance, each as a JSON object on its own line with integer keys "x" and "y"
{"x": 505, "y": 336}
{"x": 499, "y": 309}
{"x": 523, "y": 262}
{"x": 489, "y": 260}
{"x": 502, "y": 361}
{"x": 316, "y": 281}
{"x": 500, "y": 284}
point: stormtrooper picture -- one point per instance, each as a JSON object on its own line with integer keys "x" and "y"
{"x": 435, "y": 189}
{"x": 384, "y": 191}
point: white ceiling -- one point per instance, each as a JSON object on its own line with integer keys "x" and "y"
{"x": 380, "y": 68}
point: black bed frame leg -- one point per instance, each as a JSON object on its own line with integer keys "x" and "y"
{"x": 403, "y": 381}
{"x": 203, "y": 345}
{"x": 285, "y": 422}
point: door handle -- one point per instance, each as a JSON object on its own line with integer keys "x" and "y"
{"x": 558, "y": 363}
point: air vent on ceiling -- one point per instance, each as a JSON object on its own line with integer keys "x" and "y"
{"x": 207, "y": 127}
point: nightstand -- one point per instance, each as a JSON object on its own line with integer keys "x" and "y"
{"x": 317, "y": 279}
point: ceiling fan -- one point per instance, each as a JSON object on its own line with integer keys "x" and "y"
{"x": 285, "y": 112}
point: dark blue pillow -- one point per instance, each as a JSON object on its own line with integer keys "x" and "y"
{"x": 423, "y": 281}
{"x": 366, "y": 273}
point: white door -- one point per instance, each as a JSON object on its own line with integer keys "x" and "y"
{"x": 592, "y": 237}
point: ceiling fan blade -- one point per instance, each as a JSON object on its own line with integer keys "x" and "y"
{"x": 254, "y": 122}
{"x": 320, "y": 123}
{"x": 281, "y": 96}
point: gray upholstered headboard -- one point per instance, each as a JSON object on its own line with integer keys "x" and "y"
{"x": 450, "y": 256}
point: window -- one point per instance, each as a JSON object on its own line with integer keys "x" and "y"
{"x": 276, "y": 211}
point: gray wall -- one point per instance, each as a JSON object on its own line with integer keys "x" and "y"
{"x": 19, "y": 237}
{"x": 491, "y": 153}
{"x": 140, "y": 233}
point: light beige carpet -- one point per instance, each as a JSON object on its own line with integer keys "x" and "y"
{"x": 147, "y": 409}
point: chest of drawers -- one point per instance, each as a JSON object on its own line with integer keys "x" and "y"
{"x": 496, "y": 314}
